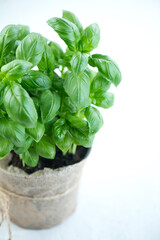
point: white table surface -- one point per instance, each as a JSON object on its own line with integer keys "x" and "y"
{"x": 119, "y": 197}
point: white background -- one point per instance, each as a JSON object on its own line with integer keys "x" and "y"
{"x": 119, "y": 197}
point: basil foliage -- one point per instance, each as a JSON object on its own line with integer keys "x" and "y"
{"x": 48, "y": 96}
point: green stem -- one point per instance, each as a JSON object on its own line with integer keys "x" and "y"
{"x": 70, "y": 149}
{"x": 74, "y": 147}
{"x": 62, "y": 71}
{"x": 23, "y": 162}
{"x": 64, "y": 153}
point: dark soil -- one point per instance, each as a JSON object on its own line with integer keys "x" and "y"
{"x": 59, "y": 161}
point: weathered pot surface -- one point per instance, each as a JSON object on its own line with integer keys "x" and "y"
{"x": 42, "y": 199}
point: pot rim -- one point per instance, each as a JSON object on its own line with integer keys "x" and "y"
{"x": 49, "y": 172}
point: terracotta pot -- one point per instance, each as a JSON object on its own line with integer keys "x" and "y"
{"x": 42, "y": 199}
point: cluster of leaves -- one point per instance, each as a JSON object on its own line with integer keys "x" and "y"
{"x": 52, "y": 105}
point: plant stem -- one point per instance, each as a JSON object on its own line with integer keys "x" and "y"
{"x": 70, "y": 149}
{"x": 74, "y": 147}
{"x": 64, "y": 153}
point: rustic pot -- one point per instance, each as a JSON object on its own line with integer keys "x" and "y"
{"x": 42, "y": 199}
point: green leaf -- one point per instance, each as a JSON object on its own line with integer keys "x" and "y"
{"x": 37, "y": 132}
{"x": 79, "y": 62}
{"x": 61, "y": 137}
{"x": 2, "y": 113}
{"x": 57, "y": 50}
{"x": 100, "y": 83}
{"x": 30, "y": 157}
{"x": 67, "y": 59}
{"x": 78, "y": 123}
{"x": 106, "y": 66}
{"x": 23, "y": 31}
{"x": 2, "y": 87}
{"x": 57, "y": 82}
{"x": 20, "y": 106}
{"x": 65, "y": 143}
{"x": 35, "y": 80}
{"x": 31, "y": 48}
{"x": 36, "y": 102}
{"x": 8, "y": 37}
{"x": 72, "y": 18}
{"x": 80, "y": 139}
{"x": 60, "y": 128}
{"x": 45, "y": 148}
{"x": 94, "y": 118}
{"x": 11, "y": 36}
{"x": 12, "y": 131}
{"x": 21, "y": 149}
{"x": 69, "y": 106}
{"x": 5, "y": 147}
{"x": 90, "y": 38}
{"x": 66, "y": 30}
{"x": 104, "y": 100}
{"x": 16, "y": 69}
{"x": 49, "y": 105}
{"x": 91, "y": 74}
{"x": 77, "y": 88}
{"x": 47, "y": 62}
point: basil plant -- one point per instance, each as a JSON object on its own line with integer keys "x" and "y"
{"x": 49, "y": 97}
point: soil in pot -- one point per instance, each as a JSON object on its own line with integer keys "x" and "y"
{"x": 59, "y": 161}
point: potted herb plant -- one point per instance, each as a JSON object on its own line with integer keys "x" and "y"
{"x": 49, "y": 116}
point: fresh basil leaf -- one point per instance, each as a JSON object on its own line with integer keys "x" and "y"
{"x": 67, "y": 59}
{"x": 57, "y": 82}
{"x": 20, "y": 106}
{"x": 47, "y": 62}
{"x": 36, "y": 102}
{"x": 49, "y": 105}
{"x": 65, "y": 143}
{"x": 31, "y": 48}
{"x": 91, "y": 74}
{"x": 37, "y": 132}
{"x": 106, "y": 66}
{"x": 79, "y": 62}
{"x": 12, "y": 131}
{"x": 11, "y": 36}
{"x": 45, "y": 148}
{"x": 23, "y": 31}
{"x": 102, "y": 99}
{"x": 24, "y": 147}
{"x": 57, "y": 50}
{"x": 72, "y": 18}
{"x": 90, "y": 38}
{"x": 77, "y": 88}
{"x": 2, "y": 87}
{"x": 35, "y": 80}
{"x": 100, "y": 83}
{"x": 5, "y": 147}
{"x": 69, "y": 106}
{"x": 16, "y": 69}
{"x": 2, "y": 113}
{"x": 81, "y": 139}
{"x": 66, "y": 30}
{"x": 60, "y": 134}
{"x": 94, "y": 118}
{"x": 59, "y": 128}
{"x": 78, "y": 123}
{"x": 8, "y": 37}
{"x": 9, "y": 58}
{"x": 48, "y": 127}
{"x": 30, "y": 157}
